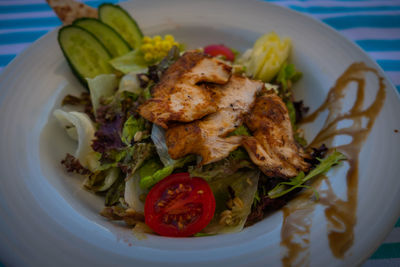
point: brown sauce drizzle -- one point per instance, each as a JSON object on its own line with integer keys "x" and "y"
{"x": 296, "y": 226}
{"x": 340, "y": 214}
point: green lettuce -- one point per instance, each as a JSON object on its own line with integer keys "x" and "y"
{"x": 236, "y": 160}
{"x": 287, "y": 75}
{"x": 129, "y": 159}
{"x": 241, "y": 130}
{"x": 115, "y": 192}
{"x": 158, "y": 138}
{"x": 133, "y": 192}
{"x": 132, "y": 61}
{"x": 101, "y": 86}
{"x": 150, "y": 180}
{"x": 102, "y": 180}
{"x": 292, "y": 113}
{"x": 131, "y": 127}
{"x": 130, "y": 83}
{"x": 229, "y": 217}
{"x": 298, "y": 181}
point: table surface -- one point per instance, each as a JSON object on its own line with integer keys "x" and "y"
{"x": 373, "y": 25}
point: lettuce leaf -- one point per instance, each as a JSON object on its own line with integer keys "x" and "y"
{"x": 298, "y": 181}
{"x": 128, "y": 159}
{"x": 101, "y": 86}
{"x": 241, "y": 130}
{"x": 286, "y": 76}
{"x": 292, "y": 113}
{"x": 136, "y": 156}
{"x": 130, "y": 83}
{"x": 131, "y": 127}
{"x": 150, "y": 180}
{"x": 133, "y": 192}
{"x": 102, "y": 180}
{"x": 115, "y": 192}
{"x": 236, "y": 160}
{"x": 108, "y": 136}
{"x": 158, "y": 138}
{"x": 239, "y": 188}
{"x": 132, "y": 61}
{"x": 267, "y": 56}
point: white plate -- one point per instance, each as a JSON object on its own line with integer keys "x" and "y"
{"x": 48, "y": 220}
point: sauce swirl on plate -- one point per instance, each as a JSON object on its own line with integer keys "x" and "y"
{"x": 340, "y": 214}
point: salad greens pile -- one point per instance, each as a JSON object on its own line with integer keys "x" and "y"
{"x": 122, "y": 155}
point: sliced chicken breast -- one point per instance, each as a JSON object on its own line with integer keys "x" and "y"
{"x": 207, "y": 137}
{"x": 272, "y": 146}
{"x": 183, "y": 94}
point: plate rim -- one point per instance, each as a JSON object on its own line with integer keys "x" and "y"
{"x": 19, "y": 59}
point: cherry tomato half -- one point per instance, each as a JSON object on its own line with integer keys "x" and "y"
{"x": 220, "y": 50}
{"x": 179, "y": 206}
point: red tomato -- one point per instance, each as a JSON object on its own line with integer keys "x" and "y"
{"x": 179, "y": 206}
{"x": 220, "y": 50}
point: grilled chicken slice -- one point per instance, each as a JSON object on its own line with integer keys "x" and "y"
{"x": 207, "y": 137}
{"x": 182, "y": 94}
{"x": 272, "y": 146}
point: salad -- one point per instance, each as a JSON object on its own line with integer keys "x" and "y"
{"x": 184, "y": 142}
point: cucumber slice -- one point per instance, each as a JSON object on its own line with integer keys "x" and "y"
{"x": 114, "y": 43}
{"x": 85, "y": 54}
{"x": 121, "y": 22}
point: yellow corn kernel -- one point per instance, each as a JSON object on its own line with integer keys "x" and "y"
{"x": 146, "y": 47}
{"x": 146, "y": 40}
{"x": 158, "y": 45}
{"x": 166, "y": 45}
{"x": 157, "y": 38}
{"x": 169, "y": 38}
{"x": 148, "y": 57}
{"x": 160, "y": 55}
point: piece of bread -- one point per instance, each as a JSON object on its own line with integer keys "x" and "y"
{"x": 70, "y": 10}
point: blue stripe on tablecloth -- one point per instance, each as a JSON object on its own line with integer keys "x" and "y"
{"x": 20, "y": 37}
{"x": 29, "y": 23}
{"x": 337, "y": 9}
{"x": 398, "y": 221}
{"x": 5, "y": 59}
{"x": 388, "y": 250}
{"x": 24, "y": 8}
{"x": 373, "y": 21}
{"x": 389, "y": 65}
{"x": 380, "y": 45}
{"x": 42, "y": 7}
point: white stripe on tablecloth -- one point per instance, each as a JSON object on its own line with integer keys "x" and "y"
{"x": 27, "y": 29}
{"x": 394, "y": 77}
{"x": 45, "y": 14}
{"x": 25, "y": 15}
{"x": 29, "y": 2}
{"x": 382, "y": 262}
{"x": 385, "y": 55}
{"x": 341, "y": 14}
{"x": 336, "y": 3}
{"x": 13, "y": 48}
{"x": 372, "y": 33}
{"x": 394, "y": 236}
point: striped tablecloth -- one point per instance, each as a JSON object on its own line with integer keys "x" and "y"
{"x": 372, "y": 24}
